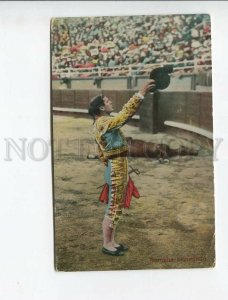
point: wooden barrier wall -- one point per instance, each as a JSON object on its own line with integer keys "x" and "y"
{"x": 192, "y": 108}
{"x": 81, "y": 98}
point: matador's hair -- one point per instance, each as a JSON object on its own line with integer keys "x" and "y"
{"x": 95, "y": 104}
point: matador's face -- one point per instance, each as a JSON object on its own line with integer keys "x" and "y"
{"x": 108, "y": 108}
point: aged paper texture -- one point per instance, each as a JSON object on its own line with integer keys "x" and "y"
{"x": 169, "y": 140}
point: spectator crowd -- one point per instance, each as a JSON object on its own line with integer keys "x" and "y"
{"x": 110, "y": 42}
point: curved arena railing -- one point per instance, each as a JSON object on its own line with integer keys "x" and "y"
{"x": 182, "y": 67}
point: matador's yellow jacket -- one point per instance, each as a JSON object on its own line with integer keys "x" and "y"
{"x": 110, "y": 139}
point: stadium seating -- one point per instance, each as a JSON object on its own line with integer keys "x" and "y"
{"x": 123, "y": 46}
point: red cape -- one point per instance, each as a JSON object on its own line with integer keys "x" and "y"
{"x": 131, "y": 191}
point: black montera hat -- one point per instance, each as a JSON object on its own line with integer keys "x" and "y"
{"x": 161, "y": 76}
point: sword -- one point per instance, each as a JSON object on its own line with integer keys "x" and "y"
{"x": 136, "y": 171}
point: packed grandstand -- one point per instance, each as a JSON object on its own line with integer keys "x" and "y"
{"x": 125, "y": 46}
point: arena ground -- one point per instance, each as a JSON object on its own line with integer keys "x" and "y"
{"x": 170, "y": 226}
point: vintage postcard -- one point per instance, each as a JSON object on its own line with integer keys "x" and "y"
{"x": 132, "y": 130}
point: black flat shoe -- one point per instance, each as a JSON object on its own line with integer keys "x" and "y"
{"x": 113, "y": 253}
{"x": 122, "y": 248}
